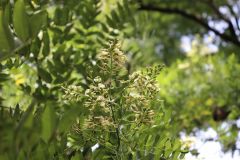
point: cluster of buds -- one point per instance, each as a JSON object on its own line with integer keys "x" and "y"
{"x": 143, "y": 84}
{"x": 141, "y": 91}
{"x": 113, "y": 58}
{"x": 97, "y": 96}
{"x": 153, "y": 72}
{"x": 72, "y": 93}
{"x": 144, "y": 117}
{"x": 98, "y": 102}
{"x": 99, "y": 122}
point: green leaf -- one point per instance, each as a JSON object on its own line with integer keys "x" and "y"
{"x": 48, "y": 123}
{"x": 6, "y": 37}
{"x": 177, "y": 145}
{"x": 3, "y": 77}
{"x": 168, "y": 149}
{"x": 37, "y": 21}
{"x": 167, "y": 116}
{"x": 27, "y": 119}
{"x": 17, "y": 111}
{"x": 176, "y": 155}
{"x": 110, "y": 22}
{"x": 21, "y": 20}
{"x": 46, "y": 44}
{"x": 161, "y": 144}
{"x": 3, "y": 38}
{"x": 44, "y": 75}
{"x": 61, "y": 16}
{"x": 115, "y": 16}
{"x": 149, "y": 141}
{"x": 68, "y": 118}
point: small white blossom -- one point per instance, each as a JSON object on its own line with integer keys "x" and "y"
{"x": 101, "y": 86}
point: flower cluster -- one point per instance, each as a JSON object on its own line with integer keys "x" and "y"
{"x": 143, "y": 85}
{"x": 141, "y": 91}
{"x": 112, "y": 59}
{"x": 96, "y": 122}
{"x": 98, "y": 102}
{"x": 97, "y": 96}
{"x": 72, "y": 93}
{"x": 109, "y": 102}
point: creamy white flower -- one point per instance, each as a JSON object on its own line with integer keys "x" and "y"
{"x": 101, "y": 86}
{"x": 97, "y": 79}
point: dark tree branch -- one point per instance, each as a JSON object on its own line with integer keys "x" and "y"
{"x": 210, "y": 3}
{"x": 199, "y": 20}
{"x": 234, "y": 15}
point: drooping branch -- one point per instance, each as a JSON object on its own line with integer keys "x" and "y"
{"x": 190, "y": 16}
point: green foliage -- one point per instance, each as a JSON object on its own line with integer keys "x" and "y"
{"x": 6, "y": 35}
{"x": 51, "y": 56}
{"x": 21, "y": 21}
{"x": 19, "y": 26}
{"x": 203, "y": 90}
{"x": 117, "y": 111}
{"x": 60, "y": 95}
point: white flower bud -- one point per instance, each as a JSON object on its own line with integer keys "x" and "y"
{"x": 101, "y": 86}
{"x": 97, "y": 79}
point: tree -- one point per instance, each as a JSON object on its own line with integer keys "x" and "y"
{"x": 203, "y": 93}
{"x": 62, "y": 97}
{"x": 202, "y": 13}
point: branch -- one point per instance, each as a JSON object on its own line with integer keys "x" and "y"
{"x": 234, "y": 15}
{"x": 210, "y": 3}
{"x": 110, "y": 99}
{"x": 190, "y": 16}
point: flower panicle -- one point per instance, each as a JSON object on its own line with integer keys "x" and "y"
{"x": 72, "y": 93}
{"x": 104, "y": 94}
{"x": 112, "y": 58}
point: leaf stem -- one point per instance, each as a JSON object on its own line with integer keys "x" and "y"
{"x": 110, "y": 97}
